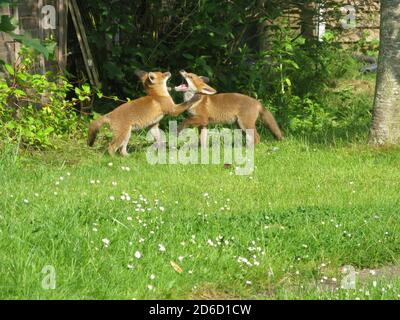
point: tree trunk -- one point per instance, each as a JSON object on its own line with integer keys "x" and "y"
{"x": 263, "y": 31}
{"x": 386, "y": 120}
{"x": 264, "y": 42}
{"x": 307, "y": 19}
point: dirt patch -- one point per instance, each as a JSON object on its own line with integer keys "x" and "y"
{"x": 362, "y": 277}
{"x": 388, "y": 272}
{"x": 356, "y": 86}
{"x": 208, "y": 292}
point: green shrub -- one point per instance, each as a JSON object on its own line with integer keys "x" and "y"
{"x": 297, "y": 81}
{"x": 34, "y": 108}
{"x": 220, "y": 39}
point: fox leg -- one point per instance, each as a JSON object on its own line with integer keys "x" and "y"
{"x": 123, "y": 150}
{"x": 121, "y": 137}
{"x": 249, "y": 125}
{"x": 196, "y": 121}
{"x": 155, "y": 132}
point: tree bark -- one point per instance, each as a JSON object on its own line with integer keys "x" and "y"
{"x": 264, "y": 42}
{"x": 386, "y": 119}
{"x": 307, "y": 19}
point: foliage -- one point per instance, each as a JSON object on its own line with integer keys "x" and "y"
{"x": 34, "y": 108}
{"x": 221, "y": 39}
{"x": 303, "y": 79}
{"x": 293, "y": 76}
{"x": 297, "y": 80}
{"x": 369, "y": 48}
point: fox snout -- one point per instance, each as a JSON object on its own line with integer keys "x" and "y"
{"x": 195, "y": 83}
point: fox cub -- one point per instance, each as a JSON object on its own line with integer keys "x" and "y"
{"x": 138, "y": 114}
{"x": 222, "y": 108}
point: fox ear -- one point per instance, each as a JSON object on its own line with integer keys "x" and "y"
{"x": 205, "y": 79}
{"x": 141, "y": 74}
{"x": 152, "y": 77}
{"x": 208, "y": 90}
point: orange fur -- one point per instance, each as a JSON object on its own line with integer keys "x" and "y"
{"x": 138, "y": 114}
{"x": 225, "y": 108}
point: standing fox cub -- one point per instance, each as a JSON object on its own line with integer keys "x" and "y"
{"x": 138, "y": 114}
{"x": 223, "y": 108}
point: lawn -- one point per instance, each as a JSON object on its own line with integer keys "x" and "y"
{"x": 120, "y": 228}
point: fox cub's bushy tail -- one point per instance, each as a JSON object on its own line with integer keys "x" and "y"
{"x": 94, "y": 128}
{"x": 270, "y": 122}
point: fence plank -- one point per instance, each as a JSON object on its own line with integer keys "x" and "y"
{"x": 84, "y": 45}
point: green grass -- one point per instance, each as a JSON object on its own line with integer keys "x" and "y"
{"x": 305, "y": 212}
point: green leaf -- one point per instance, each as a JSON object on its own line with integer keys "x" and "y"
{"x": 22, "y": 76}
{"x": 83, "y": 98}
{"x": 188, "y": 56}
{"x": 50, "y": 46}
{"x": 6, "y": 24}
{"x": 288, "y": 82}
{"x": 9, "y": 69}
{"x": 32, "y": 43}
{"x": 48, "y": 130}
{"x": 19, "y": 93}
{"x": 86, "y": 88}
{"x": 10, "y": 125}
